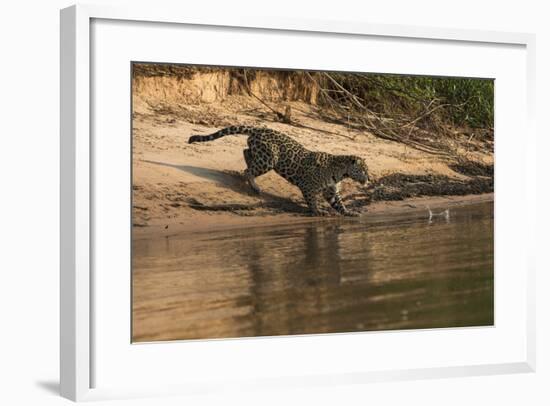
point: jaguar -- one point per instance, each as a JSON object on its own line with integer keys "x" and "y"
{"x": 316, "y": 174}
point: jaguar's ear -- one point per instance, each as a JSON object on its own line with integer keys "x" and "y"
{"x": 352, "y": 160}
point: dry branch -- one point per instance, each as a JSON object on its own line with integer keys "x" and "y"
{"x": 353, "y": 110}
{"x": 284, "y": 117}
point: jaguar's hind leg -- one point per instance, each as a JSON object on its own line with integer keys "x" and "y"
{"x": 255, "y": 168}
{"x": 250, "y": 179}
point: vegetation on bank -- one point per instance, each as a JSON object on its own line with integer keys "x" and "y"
{"x": 465, "y": 101}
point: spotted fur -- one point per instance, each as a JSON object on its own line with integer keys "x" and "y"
{"x": 315, "y": 173}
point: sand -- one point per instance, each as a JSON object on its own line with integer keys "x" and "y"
{"x": 178, "y": 187}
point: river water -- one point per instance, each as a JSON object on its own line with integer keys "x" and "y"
{"x": 379, "y": 272}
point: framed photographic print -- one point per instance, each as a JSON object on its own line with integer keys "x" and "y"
{"x": 284, "y": 202}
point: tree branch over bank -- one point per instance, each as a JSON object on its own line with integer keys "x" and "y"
{"x": 422, "y": 113}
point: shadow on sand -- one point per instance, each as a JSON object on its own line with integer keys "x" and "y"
{"x": 235, "y": 181}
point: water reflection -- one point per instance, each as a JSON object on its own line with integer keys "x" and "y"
{"x": 382, "y": 272}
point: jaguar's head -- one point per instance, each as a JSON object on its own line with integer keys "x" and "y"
{"x": 356, "y": 169}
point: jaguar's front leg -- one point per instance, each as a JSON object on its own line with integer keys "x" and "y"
{"x": 332, "y": 195}
{"x": 312, "y": 201}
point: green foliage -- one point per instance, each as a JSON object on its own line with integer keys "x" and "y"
{"x": 464, "y": 101}
{"x": 476, "y": 96}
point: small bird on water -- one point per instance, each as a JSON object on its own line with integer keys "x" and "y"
{"x": 446, "y": 214}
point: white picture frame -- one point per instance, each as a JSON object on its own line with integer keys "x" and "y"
{"x": 77, "y": 324}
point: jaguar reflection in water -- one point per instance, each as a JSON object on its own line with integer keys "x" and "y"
{"x": 382, "y": 272}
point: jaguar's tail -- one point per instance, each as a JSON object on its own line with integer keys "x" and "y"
{"x": 235, "y": 129}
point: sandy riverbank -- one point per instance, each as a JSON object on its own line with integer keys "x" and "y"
{"x": 178, "y": 187}
{"x": 204, "y": 222}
